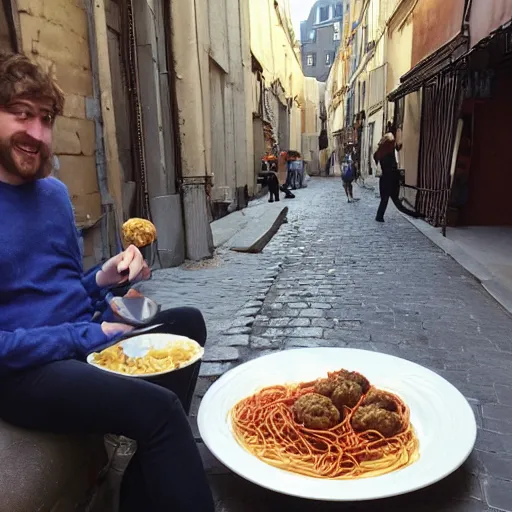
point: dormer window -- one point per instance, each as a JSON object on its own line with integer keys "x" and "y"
{"x": 323, "y": 14}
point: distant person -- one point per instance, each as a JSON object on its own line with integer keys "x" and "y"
{"x": 295, "y": 168}
{"x": 389, "y": 185}
{"x": 348, "y": 176}
{"x": 269, "y": 170}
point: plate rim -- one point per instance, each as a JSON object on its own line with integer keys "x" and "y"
{"x": 177, "y": 337}
{"x": 427, "y": 482}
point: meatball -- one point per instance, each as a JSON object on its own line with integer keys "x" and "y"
{"x": 325, "y": 387}
{"x": 316, "y": 411}
{"x": 370, "y": 417}
{"x": 347, "y": 393}
{"x": 380, "y": 399}
{"x": 360, "y": 379}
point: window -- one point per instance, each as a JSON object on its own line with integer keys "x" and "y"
{"x": 336, "y": 27}
{"x": 329, "y": 57}
{"x": 311, "y": 59}
{"x": 312, "y": 36}
{"x": 338, "y": 11}
{"x": 323, "y": 14}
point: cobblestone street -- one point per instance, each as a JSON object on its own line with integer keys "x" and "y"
{"x": 334, "y": 277}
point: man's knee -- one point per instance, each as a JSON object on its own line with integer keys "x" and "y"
{"x": 159, "y": 407}
{"x": 193, "y": 315}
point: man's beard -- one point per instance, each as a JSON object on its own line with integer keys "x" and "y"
{"x": 27, "y": 167}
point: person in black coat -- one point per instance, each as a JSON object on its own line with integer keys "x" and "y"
{"x": 389, "y": 185}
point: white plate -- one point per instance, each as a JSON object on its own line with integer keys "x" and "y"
{"x": 444, "y": 422}
{"x": 138, "y": 346}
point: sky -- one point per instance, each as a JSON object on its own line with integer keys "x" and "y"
{"x": 300, "y": 12}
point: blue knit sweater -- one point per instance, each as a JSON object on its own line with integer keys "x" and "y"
{"x": 46, "y": 302}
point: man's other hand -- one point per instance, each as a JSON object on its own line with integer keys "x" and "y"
{"x": 113, "y": 272}
{"x": 112, "y": 329}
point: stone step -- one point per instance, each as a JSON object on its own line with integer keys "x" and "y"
{"x": 251, "y": 229}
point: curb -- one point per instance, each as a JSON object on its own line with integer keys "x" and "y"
{"x": 264, "y": 239}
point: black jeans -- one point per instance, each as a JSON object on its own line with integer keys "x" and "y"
{"x": 70, "y": 396}
{"x": 349, "y": 190}
{"x": 389, "y": 187}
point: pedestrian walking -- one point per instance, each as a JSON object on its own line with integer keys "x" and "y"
{"x": 294, "y": 166}
{"x": 347, "y": 176}
{"x": 389, "y": 183}
{"x": 48, "y": 304}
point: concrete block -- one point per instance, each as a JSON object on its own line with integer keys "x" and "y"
{"x": 74, "y": 106}
{"x": 54, "y": 42}
{"x": 66, "y": 14}
{"x": 74, "y": 136}
{"x": 32, "y": 7}
{"x": 87, "y": 135}
{"x": 250, "y": 229}
{"x": 87, "y": 206}
{"x": 79, "y": 174}
{"x": 73, "y": 80}
{"x": 257, "y": 235}
{"x": 65, "y": 139}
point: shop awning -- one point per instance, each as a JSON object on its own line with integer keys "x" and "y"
{"x": 428, "y": 68}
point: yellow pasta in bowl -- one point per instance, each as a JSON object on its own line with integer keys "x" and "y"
{"x": 148, "y": 355}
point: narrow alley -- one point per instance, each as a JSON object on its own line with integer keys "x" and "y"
{"x": 141, "y": 144}
{"x": 332, "y": 276}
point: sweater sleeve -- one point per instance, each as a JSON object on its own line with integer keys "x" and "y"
{"x": 25, "y": 348}
{"x": 91, "y": 287}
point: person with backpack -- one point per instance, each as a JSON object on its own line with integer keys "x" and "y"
{"x": 348, "y": 176}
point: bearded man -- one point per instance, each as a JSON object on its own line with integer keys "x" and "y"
{"x": 46, "y": 316}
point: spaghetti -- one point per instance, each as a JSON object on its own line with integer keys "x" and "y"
{"x": 265, "y": 425}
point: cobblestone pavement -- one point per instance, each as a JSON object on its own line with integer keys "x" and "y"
{"x": 333, "y": 276}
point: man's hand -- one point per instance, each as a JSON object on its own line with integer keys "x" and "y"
{"x": 131, "y": 260}
{"x": 112, "y": 329}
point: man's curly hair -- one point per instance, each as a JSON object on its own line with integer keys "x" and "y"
{"x": 22, "y": 78}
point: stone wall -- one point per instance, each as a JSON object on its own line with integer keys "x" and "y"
{"x": 55, "y": 34}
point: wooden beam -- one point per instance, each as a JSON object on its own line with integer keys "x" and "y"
{"x": 114, "y": 172}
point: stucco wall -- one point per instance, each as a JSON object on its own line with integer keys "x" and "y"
{"x": 213, "y": 89}
{"x": 399, "y": 52}
{"x": 399, "y": 57}
{"x": 271, "y": 46}
{"x": 436, "y": 22}
{"x": 311, "y": 100}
